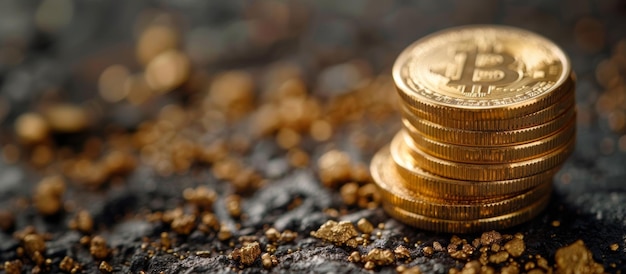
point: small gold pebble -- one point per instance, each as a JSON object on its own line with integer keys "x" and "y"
{"x": 428, "y": 251}
{"x": 272, "y": 235}
{"x": 334, "y": 168}
{"x": 499, "y": 257}
{"x": 556, "y": 223}
{"x": 614, "y": 247}
{"x": 105, "y": 267}
{"x": 98, "y": 248}
{"x": 349, "y": 193}
{"x": 402, "y": 252}
{"x": 380, "y": 257}
{"x": 354, "y": 257}
{"x": 224, "y": 233}
{"x": 365, "y": 226}
{"x": 490, "y": 237}
{"x": 288, "y": 236}
{"x": 437, "y": 246}
{"x": 34, "y": 243}
{"x": 247, "y": 254}
{"x": 515, "y": 247}
{"x": 31, "y": 128}
{"x": 13, "y": 267}
{"x": 337, "y": 233}
{"x": 510, "y": 269}
{"x": 268, "y": 261}
{"x": 576, "y": 258}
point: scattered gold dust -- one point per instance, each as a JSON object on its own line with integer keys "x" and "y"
{"x": 515, "y": 247}
{"x": 111, "y": 83}
{"x": 337, "y": 233}
{"x": 167, "y": 71}
{"x": 268, "y": 261}
{"x": 224, "y": 233}
{"x": 365, "y": 226}
{"x": 13, "y": 267}
{"x": 66, "y": 118}
{"x": 321, "y": 130}
{"x": 349, "y": 193}
{"x": 334, "y": 168}
{"x": 272, "y": 235}
{"x": 402, "y": 252}
{"x": 31, "y": 128}
{"x": 48, "y": 195}
{"x": 428, "y": 251}
{"x": 184, "y": 224}
{"x": 7, "y": 220}
{"x": 576, "y": 258}
{"x": 490, "y": 237}
{"x": 155, "y": 40}
{"x": 247, "y": 254}
{"x": 499, "y": 257}
{"x": 369, "y": 196}
{"x": 98, "y": 248}
{"x": 379, "y": 257}
{"x": 298, "y": 157}
{"x": 105, "y": 267}
{"x": 83, "y": 222}
{"x": 354, "y": 257}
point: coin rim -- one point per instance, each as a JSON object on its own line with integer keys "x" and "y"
{"x": 394, "y": 192}
{"x": 483, "y": 172}
{"x": 495, "y": 154}
{"x": 501, "y": 111}
{"x": 533, "y": 119}
{"x": 487, "y": 138}
{"x": 453, "y": 226}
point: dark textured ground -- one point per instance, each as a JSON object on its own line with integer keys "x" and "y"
{"x": 590, "y": 198}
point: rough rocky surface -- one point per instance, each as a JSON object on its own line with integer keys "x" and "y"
{"x": 47, "y": 58}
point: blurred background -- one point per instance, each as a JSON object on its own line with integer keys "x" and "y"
{"x": 119, "y": 108}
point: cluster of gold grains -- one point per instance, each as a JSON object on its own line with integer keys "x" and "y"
{"x": 488, "y": 117}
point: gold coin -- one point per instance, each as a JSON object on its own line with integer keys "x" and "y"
{"x": 479, "y": 172}
{"x": 481, "y": 72}
{"x": 418, "y": 126}
{"x": 393, "y": 192}
{"x": 469, "y": 226}
{"x": 533, "y": 119}
{"x": 418, "y": 180}
{"x": 495, "y": 154}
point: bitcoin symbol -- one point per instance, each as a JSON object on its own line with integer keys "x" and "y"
{"x": 476, "y": 74}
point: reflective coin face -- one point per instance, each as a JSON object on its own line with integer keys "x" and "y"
{"x": 481, "y": 67}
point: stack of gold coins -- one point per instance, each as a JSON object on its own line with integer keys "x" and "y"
{"x": 489, "y": 118}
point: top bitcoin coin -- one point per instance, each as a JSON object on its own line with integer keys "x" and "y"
{"x": 482, "y": 72}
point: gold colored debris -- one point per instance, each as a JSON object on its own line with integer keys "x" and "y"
{"x": 334, "y": 168}
{"x": 365, "y": 226}
{"x": 402, "y": 252}
{"x": 576, "y": 258}
{"x": 105, "y": 267}
{"x": 98, "y": 248}
{"x": 614, "y": 247}
{"x": 268, "y": 261}
{"x": 66, "y": 118}
{"x": 83, "y": 222}
{"x": 336, "y": 233}
{"x": 13, "y": 267}
{"x": 247, "y": 254}
{"x": 515, "y": 247}
{"x": 31, "y": 128}
{"x": 69, "y": 265}
{"x": 378, "y": 257}
{"x": 184, "y": 224}
{"x": 48, "y": 196}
